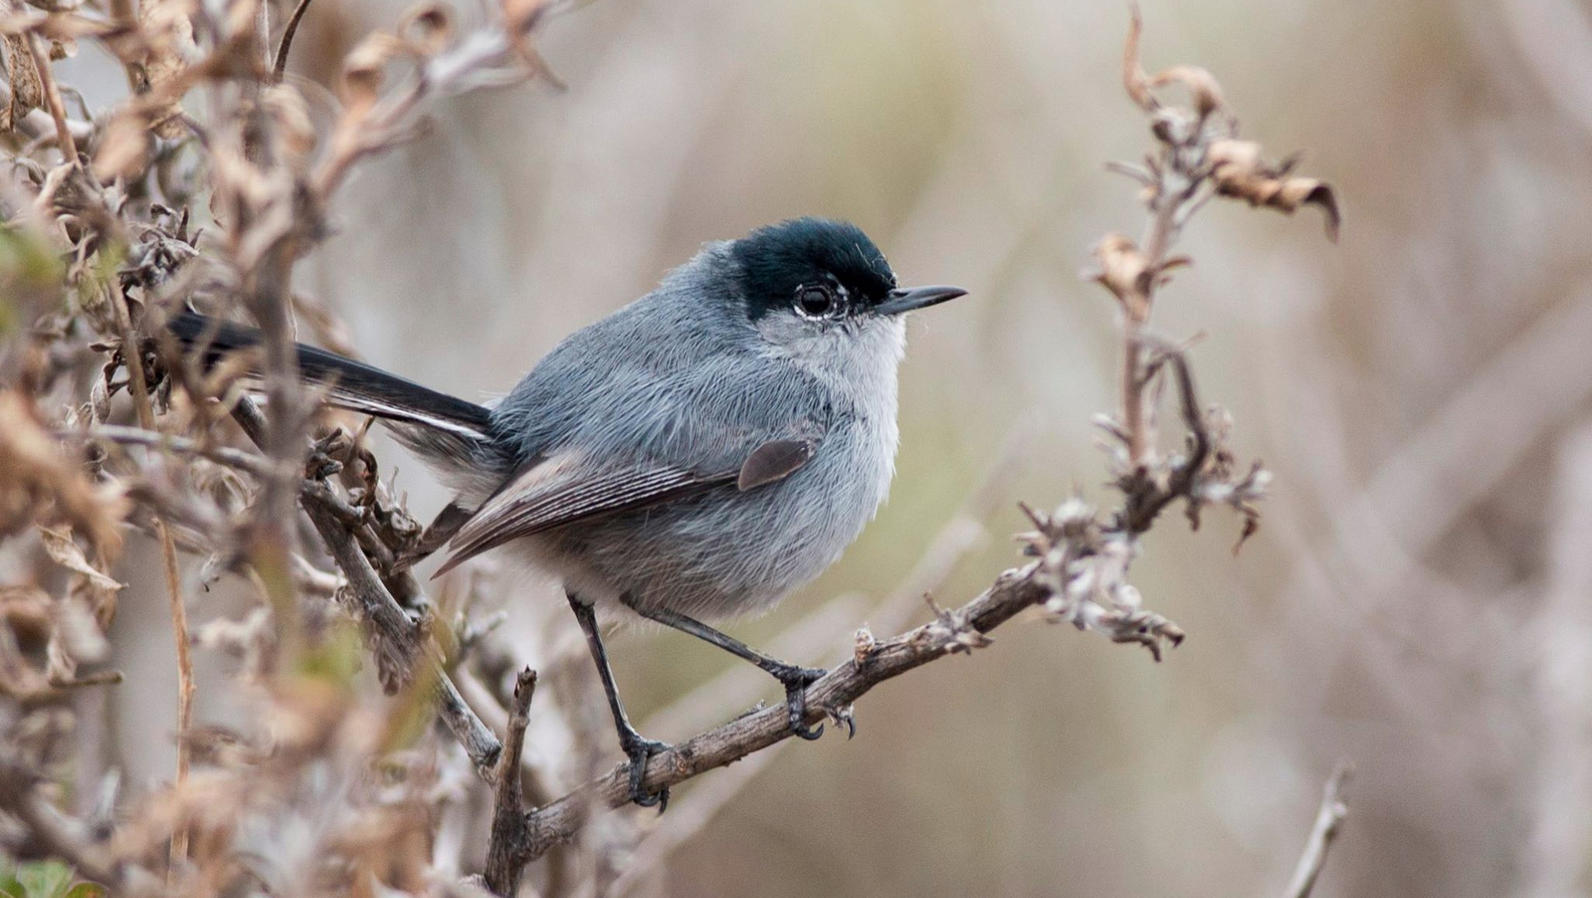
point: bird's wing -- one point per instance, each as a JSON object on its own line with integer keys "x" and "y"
{"x": 565, "y": 488}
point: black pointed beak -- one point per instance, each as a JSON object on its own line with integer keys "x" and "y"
{"x": 908, "y": 298}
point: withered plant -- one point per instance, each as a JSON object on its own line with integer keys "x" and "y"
{"x": 204, "y": 187}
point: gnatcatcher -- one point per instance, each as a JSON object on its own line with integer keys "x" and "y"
{"x": 698, "y": 453}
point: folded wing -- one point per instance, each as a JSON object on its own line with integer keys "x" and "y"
{"x": 565, "y": 489}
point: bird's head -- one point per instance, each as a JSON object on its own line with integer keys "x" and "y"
{"x": 810, "y": 276}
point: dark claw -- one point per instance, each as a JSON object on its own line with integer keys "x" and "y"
{"x": 640, "y": 750}
{"x": 796, "y": 680}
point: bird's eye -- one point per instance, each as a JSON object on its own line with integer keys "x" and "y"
{"x": 814, "y": 300}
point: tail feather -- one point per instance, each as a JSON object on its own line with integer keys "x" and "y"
{"x": 350, "y": 384}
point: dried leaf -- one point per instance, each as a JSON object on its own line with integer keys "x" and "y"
{"x": 124, "y": 150}
{"x": 426, "y": 27}
{"x": 1124, "y": 271}
{"x": 286, "y": 107}
{"x": 1133, "y": 76}
{"x": 1201, "y": 84}
{"x": 1239, "y": 171}
{"x": 167, "y": 28}
{"x": 64, "y": 551}
{"x": 363, "y": 70}
{"x": 27, "y": 89}
{"x": 39, "y": 482}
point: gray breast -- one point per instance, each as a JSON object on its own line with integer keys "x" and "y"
{"x": 728, "y": 552}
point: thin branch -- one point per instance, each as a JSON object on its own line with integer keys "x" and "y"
{"x": 397, "y": 641}
{"x": 1329, "y": 819}
{"x": 1147, "y": 500}
{"x": 58, "y": 834}
{"x": 955, "y": 631}
{"x": 288, "y": 31}
{"x": 132, "y": 436}
{"x": 509, "y": 832}
{"x": 52, "y": 97}
{"x": 185, "y": 680}
{"x": 132, "y": 359}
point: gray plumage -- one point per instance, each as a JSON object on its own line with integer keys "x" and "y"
{"x": 694, "y": 395}
{"x": 698, "y": 453}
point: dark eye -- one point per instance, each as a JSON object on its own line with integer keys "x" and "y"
{"x": 815, "y": 300}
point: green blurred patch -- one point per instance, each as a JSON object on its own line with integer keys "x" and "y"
{"x": 44, "y": 879}
{"x": 29, "y": 268}
{"x": 335, "y": 659}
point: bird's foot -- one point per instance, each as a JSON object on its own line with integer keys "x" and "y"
{"x": 640, "y": 750}
{"x": 796, "y": 680}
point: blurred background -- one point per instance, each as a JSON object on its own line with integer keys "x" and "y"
{"x": 1419, "y": 597}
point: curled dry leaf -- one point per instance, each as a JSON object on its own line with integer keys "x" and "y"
{"x": 1133, "y": 76}
{"x": 22, "y": 75}
{"x": 169, "y": 33}
{"x": 1239, "y": 171}
{"x": 1125, "y": 272}
{"x": 39, "y": 483}
{"x": 124, "y": 150}
{"x": 427, "y": 28}
{"x": 520, "y": 16}
{"x": 1202, "y": 86}
{"x": 286, "y": 107}
{"x": 363, "y": 70}
{"x": 64, "y": 551}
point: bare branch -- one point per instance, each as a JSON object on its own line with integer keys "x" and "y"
{"x": 509, "y": 833}
{"x": 1329, "y": 818}
{"x": 279, "y": 68}
{"x": 1013, "y": 591}
{"x": 52, "y": 99}
{"x": 396, "y": 639}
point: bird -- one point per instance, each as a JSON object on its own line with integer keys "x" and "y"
{"x": 695, "y": 455}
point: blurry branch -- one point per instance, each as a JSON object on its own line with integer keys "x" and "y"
{"x": 52, "y": 97}
{"x": 372, "y": 123}
{"x": 1553, "y": 857}
{"x": 1329, "y": 818}
{"x": 59, "y": 835}
{"x": 508, "y": 818}
{"x": 132, "y": 436}
{"x": 398, "y": 642}
{"x": 285, "y": 44}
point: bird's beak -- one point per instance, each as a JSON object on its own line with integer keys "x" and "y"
{"x": 908, "y": 298}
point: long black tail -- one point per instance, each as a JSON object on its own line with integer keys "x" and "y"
{"x": 349, "y": 384}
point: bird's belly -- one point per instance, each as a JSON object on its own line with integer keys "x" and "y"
{"x": 727, "y": 552}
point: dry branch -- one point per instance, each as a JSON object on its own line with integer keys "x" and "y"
{"x": 508, "y": 819}
{"x": 268, "y": 195}
{"x": 953, "y": 632}
{"x": 1329, "y": 818}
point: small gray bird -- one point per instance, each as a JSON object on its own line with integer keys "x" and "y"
{"x": 696, "y": 454}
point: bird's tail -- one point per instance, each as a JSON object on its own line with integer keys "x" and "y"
{"x": 434, "y": 423}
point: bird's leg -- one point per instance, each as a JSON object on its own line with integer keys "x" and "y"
{"x": 636, "y": 748}
{"x": 794, "y": 679}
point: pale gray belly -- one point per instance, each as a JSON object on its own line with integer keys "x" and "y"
{"x": 728, "y": 552}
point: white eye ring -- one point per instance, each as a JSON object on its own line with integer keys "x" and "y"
{"x": 815, "y": 301}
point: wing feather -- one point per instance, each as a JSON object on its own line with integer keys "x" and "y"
{"x": 556, "y": 492}
{"x": 562, "y": 490}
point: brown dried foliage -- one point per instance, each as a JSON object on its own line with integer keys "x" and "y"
{"x": 105, "y": 428}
